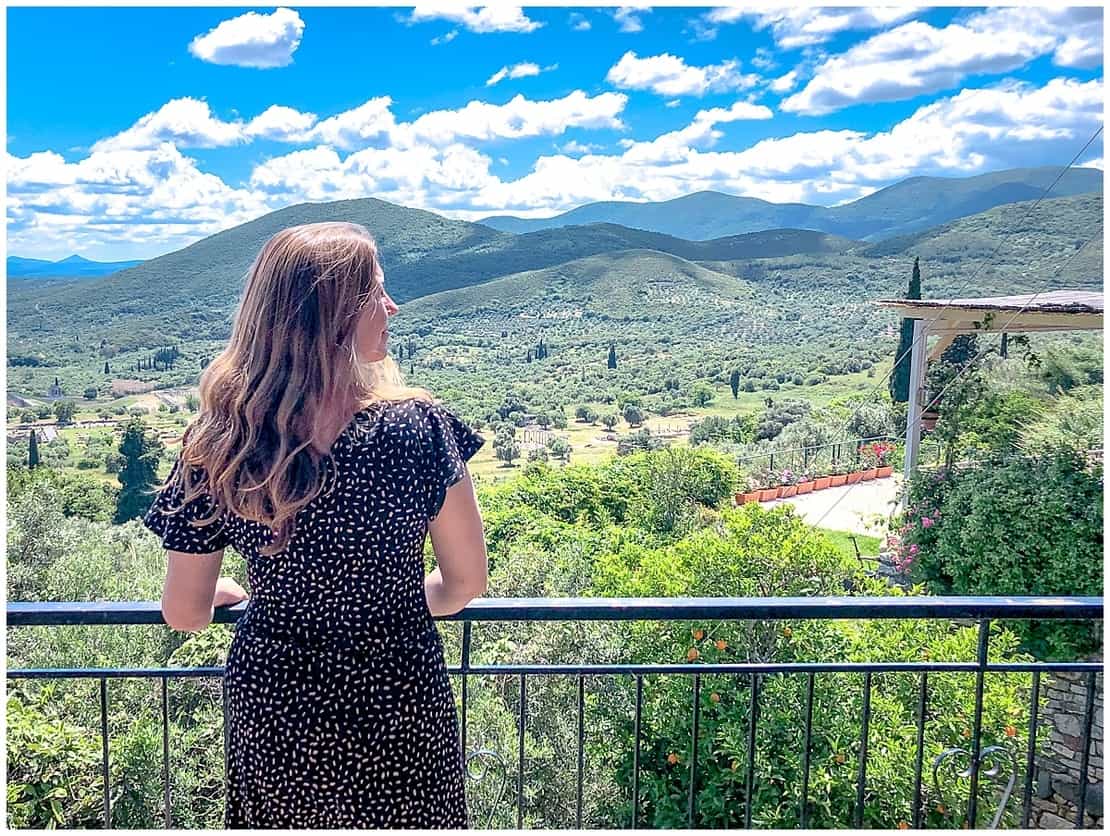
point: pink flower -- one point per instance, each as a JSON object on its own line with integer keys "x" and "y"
{"x": 926, "y": 522}
{"x": 913, "y": 548}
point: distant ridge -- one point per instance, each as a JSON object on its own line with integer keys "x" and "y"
{"x": 907, "y": 206}
{"x": 69, "y": 268}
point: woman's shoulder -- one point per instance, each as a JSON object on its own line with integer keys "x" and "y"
{"x": 412, "y": 414}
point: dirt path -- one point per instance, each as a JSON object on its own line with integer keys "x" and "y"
{"x": 861, "y": 508}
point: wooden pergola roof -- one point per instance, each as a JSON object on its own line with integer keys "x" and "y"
{"x": 1056, "y": 310}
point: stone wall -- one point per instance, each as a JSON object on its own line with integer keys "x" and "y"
{"x": 1056, "y": 789}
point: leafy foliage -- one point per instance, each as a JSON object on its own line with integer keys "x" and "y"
{"x": 1022, "y": 526}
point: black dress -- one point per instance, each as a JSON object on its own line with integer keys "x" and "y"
{"x": 340, "y": 712}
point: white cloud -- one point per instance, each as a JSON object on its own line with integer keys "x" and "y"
{"x": 185, "y": 122}
{"x": 140, "y": 202}
{"x": 628, "y": 17}
{"x": 672, "y": 103}
{"x": 516, "y": 119}
{"x": 670, "y": 75}
{"x": 916, "y": 58}
{"x": 445, "y": 38}
{"x": 675, "y": 146}
{"x": 481, "y": 20}
{"x": 252, "y": 40}
{"x": 521, "y": 70}
{"x": 576, "y": 147}
{"x": 189, "y": 123}
{"x": 280, "y": 123}
{"x": 785, "y": 83}
{"x": 119, "y": 204}
{"x": 797, "y": 26}
{"x": 764, "y": 59}
{"x": 578, "y": 22}
{"x": 370, "y": 122}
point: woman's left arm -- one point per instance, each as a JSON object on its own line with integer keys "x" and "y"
{"x": 194, "y": 588}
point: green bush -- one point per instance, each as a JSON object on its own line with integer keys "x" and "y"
{"x": 1022, "y": 526}
{"x": 773, "y": 553}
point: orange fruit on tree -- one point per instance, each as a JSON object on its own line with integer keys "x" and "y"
{"x": 903, "y": 825}
{"x": 1010, "y": 731}
{"x": 692, "y": 654}
{"x": 786, "y": 631}
{"x": 672, "y": 758}
{"x": 715, "y": 697}
{"x": 839, "y": 759}
{"x": 699, "y": 634}
{"x": 721, "y": 644}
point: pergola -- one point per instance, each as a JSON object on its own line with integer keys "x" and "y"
{"x": 1057, "y": 310}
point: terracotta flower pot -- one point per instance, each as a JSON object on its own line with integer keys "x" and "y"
{"x": 838, "y": 480}
{"x": 767, "y": 494}
{"x": 855, "y": 476}
{"x": 884, "y": 471}
{"x": 821, "y": 482}
{"x": 787, "y": 491}
{"x": 929, "y": 420}
{"x": 747, "y": 497}
{"x": 805, "y": 487}
{"x": 869, "y": 474}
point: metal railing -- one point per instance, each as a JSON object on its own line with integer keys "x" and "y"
{"x": 814, "y": 457}
{"x": 979, "y": 610}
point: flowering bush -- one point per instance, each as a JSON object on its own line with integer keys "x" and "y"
{"x": 1024, "y": 526}
{"x": 877, "y": 454}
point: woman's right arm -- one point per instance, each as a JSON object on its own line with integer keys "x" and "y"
{"x": 459, "y": 542}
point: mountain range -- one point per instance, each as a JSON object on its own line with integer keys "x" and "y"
{"x": 68, "y": 268}
{"x": 464, "y": 284}
{"x": 907, "y": 206}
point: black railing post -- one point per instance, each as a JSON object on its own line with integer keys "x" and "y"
{"x": 692, "y": 801}
{"x": 1031, "y": 750}
{"x": 804, "y": 811}
{"x": 464, "y": 666}
{"x": 865, "y": 730}
{"x": 520, "y": 771}
{"x": 581, "y": 748}
{"x": 636, "y": 750}
{"x": 749, "y": 779}
{"x": 166, "y": 747}
{"x": 104, "y": 750}
{"x": 1085, "y": 758}
{"x": 977, "y": 723}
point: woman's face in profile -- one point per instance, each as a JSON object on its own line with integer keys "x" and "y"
{"x": 372, "y": 333}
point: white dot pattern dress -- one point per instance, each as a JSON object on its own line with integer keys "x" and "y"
{"x": 340, "y": 710}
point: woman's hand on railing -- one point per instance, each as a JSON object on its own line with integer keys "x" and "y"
{"x": 228, "y": 592}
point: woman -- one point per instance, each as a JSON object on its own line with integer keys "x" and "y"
{"x": 312, "y": 460}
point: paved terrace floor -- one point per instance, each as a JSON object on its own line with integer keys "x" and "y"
{"x": 861, "y": 508}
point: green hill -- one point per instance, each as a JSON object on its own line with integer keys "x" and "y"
{"x": 913, "y": 204}
{"x": 191, "y": 293}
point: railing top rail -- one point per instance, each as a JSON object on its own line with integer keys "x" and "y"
{"x": 842, "y": 442}
{"x": 27, "y": 614}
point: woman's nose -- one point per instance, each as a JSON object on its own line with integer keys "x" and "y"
{"x": 390, "y": 306}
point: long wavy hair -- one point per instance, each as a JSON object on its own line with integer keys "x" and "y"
{"x": 290, "y": 364}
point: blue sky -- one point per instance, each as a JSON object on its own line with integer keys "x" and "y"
{"x": 140, "y": 130}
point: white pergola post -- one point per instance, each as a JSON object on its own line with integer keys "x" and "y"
{"x": 918, "y": 352}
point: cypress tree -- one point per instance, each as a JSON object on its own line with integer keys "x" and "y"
{"x": 612, "y": 356}
{"x": 734, "y": 382}
{"x": 900, "y": 376}
{"x": 33, "y": 452}
{"x": 138, "y": 474}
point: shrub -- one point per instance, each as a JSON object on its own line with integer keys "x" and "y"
{"x": 1023, "y": 526}
{"x": 759, "y": 552}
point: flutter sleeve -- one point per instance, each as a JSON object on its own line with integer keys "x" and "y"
{"x": 177, "y": 530}
{"x": 451, "y": 444}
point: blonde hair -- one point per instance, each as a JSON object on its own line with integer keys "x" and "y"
{"x": 292, "y": 356}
